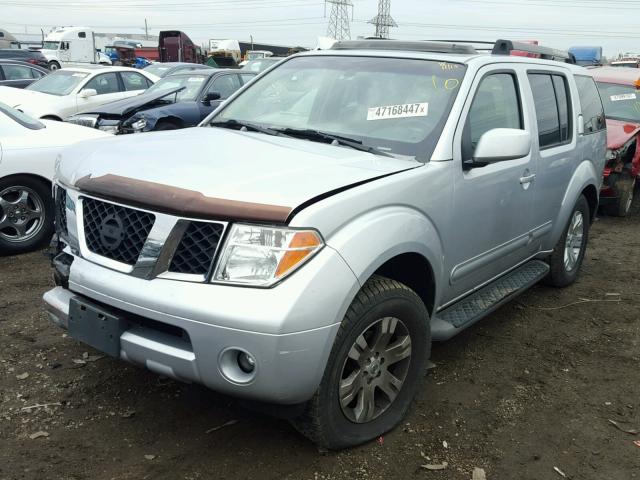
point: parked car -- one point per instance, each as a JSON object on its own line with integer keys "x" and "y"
{"x": 180, "y": 100}
{"x": 28, "y": 152}
{"x": 72, "y": 89}
{"x": 306, "y": 244}
{"x": 261, "y": 64}
{"x": 620, "y": 92}
{"x": 19, "y": 74}
{"x": 33, "y": 57}
{"x": 163, "y": 69}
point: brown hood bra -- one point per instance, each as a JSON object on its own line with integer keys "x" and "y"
{"x": 178, "y": 201}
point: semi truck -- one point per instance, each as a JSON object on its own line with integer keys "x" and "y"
{"x": 66, "y": 45}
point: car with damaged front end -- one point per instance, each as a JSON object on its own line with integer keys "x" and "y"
{"x": 305, "y": 244}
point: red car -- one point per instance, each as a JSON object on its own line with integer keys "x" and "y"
{"x": 620, "y": 92}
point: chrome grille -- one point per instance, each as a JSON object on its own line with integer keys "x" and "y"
{"x": 196, "y": 248}
{"x": 115, "y": 232}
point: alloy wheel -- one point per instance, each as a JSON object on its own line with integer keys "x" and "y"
{"x": 375, "y": 370}
{"x": 574, "y": 240}
{"x": 21, "y": 214}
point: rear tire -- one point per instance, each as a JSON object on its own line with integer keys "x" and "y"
{"x": 53, "y": 65}
{"x": 623, "y": 185}
{"x": 382, "y": 346}
{"x": 567, "y": 256}
{"x": 19, "y": 233}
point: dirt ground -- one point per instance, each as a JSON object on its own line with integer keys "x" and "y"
{"x": 528, "y": 390}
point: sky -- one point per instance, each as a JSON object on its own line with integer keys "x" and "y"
{"x": 555, "y": 23}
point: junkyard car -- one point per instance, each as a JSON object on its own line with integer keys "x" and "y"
{"x": 19, "y": 74}
{"x": 620, "y": 92}
{"x": 307, "y": 243}
{"x": 180, "y": 100}
{"x": 28, "y": 152}
{"x": 73, "y": 89}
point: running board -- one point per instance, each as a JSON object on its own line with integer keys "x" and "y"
{"x": 464, "y": 313}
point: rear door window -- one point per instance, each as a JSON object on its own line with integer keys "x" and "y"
{"x": 592, "y": 110}
{"x": 134, "y": 81}
{"x": 550, "y": 97}
{"x": 16, "y": 72}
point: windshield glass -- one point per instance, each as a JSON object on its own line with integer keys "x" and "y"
{"x": 50, "y": 45}
{"x": 192, "y": 84}
{"x": 21, "y": 118}
{"x": 397, "y": 105}
{"x": 157, "y": 69}
{"x": 621, "y": 102}
{"x": 60, "y": 82}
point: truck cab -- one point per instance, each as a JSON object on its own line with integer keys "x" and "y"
{"x": 69, "y": 45}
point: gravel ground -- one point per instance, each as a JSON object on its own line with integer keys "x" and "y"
{"x": 527, "y": 393}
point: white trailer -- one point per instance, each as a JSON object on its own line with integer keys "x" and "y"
{"x": 66, "y": 45}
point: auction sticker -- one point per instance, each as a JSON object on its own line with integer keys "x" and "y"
{"x": 623, "y": 96}
{"x": 398, "y": 111}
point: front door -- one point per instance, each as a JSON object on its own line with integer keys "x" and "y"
{"x": 493, "y": 204}
{"x": 107, "y": 87}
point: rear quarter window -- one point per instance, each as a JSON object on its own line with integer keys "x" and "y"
{"x": 591, "y": 104}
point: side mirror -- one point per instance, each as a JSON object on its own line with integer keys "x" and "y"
{"x": 211, "y": 96}
{"x": 502, "y": 144}
{"x": 88, "y": 92}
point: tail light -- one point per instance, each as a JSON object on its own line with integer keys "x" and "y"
{"x": 33, "y": 61}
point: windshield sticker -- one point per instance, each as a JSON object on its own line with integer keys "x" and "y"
{"x": 398, "y": 111}
{"x": 81, "y": 75}
{"x": 449, "y": 66}
{"x": 623, "y": 96}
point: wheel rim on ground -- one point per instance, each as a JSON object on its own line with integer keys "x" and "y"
{"x": 21, "y": 214}
{"x": 573, "y": 242}
{"x": 375, "y": 370}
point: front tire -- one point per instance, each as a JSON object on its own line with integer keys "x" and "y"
{"x": 623, "y": 185}
{"x": 374, "y": 369}
{"x": 568, "y": 254}
{"x": 26, "y": 214}
{"x": 53, "y": 65}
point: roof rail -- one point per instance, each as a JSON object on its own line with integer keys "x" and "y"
{"x": 404, "y": 45}
{"x": 478, "y": 45}
{"x": 505, "y": 47}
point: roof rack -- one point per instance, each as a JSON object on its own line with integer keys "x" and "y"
{"x": 478, "y": 45}
{"x": 506, "y": 47}
{"x": 419, "y": 46}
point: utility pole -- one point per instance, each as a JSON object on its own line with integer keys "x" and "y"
{"x": 339, "y": 27}
{"x": 146, "y": 30}
{"x": 383, "y": 20}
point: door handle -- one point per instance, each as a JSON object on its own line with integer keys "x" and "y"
{"x": 527, "y": 179}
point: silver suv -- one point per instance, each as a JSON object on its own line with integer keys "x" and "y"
{"x": 306, "y": 244}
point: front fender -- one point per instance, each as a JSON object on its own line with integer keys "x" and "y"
{"x": 373, "y": 238}
{"x": 583, "y": 176}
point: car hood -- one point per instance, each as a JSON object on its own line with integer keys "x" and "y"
{"x": 129, "y": 105}
{"x": 55, "y": 134}
{"x": 620, "y": 132}
{"x": 29, "y": 99}
{"x": 218, "y": 173}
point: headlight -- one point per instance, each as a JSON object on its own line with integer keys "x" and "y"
{"x": 139, "y": 125}
{"x": 85, "y": 121}
{"x": 261, "y": 256}
{"x": 113, "y": 129}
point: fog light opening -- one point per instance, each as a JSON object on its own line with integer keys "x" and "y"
{"x": 237, "y": 365}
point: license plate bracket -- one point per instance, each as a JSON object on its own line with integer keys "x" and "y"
{"x": 96, "y": 326}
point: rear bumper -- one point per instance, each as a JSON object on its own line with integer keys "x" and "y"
{"x": 217, "y": 319}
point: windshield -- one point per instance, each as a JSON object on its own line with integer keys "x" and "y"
{"x": 621, "y": 102}
{"x": 157, "y": 69}
{"x": 192, "y": 84}
{"x": 50, "y": 45}
{"x": 61, "y": 82}
{"x": 397, "y": 105}
{"x": 21, "y": 118}
{"x": 261, "y": 64}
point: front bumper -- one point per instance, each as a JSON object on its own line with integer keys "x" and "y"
{"x": 289, "y": 329}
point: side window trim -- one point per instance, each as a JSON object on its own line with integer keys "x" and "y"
{"x": 518, "y": 90}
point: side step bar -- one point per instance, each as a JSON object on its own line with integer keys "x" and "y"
{"x": 464, "y": 313}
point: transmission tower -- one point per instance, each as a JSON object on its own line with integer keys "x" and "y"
{"x": 383, "y": 20}
{"x": 339, "y": 19}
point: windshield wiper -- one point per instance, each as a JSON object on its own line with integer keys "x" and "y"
{"x": 238, "y": 125}
{"x": 311, "y": 134}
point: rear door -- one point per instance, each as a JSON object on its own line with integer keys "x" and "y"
{"x": 133, "y": 83}
{"x": 493, "y": 204}
{"x": 556, "y": 154}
